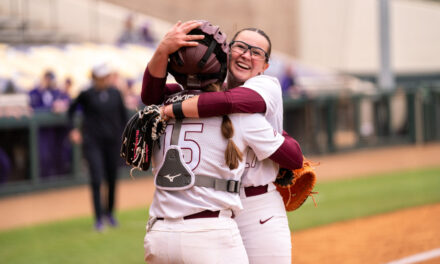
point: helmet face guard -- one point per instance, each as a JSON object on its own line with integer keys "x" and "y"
{"x": 197, "y": 67}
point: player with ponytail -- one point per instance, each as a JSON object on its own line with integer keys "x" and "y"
{"x": 199, "y": 163}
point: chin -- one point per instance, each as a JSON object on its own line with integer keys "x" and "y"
{"x": 242, "y": 77}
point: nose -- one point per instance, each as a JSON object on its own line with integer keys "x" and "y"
{"x": 247, "y": 53}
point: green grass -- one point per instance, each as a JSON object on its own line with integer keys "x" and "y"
{"x": 74, "y": 241}
{"x": 359, "y": 197}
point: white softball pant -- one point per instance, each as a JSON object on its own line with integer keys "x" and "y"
{"x": 264, "y": 228}
{"x": 202, "y": 240}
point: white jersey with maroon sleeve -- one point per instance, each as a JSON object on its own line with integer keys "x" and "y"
{"x": 203, "y": 148}
{"x": 264, "y": 172}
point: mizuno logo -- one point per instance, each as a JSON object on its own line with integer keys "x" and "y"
{"x": 262, "y": 222}
{"x": 171, "y": 177}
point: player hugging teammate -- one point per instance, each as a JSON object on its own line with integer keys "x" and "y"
{"x": 215, "y": 165}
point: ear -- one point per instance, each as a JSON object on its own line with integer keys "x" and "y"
{"x": 266, "y": 65}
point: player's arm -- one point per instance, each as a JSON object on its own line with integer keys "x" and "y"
{"x": 154, "y": 89}
{"x": 267, "y": 143}
{"x": 236, "y": 100}
{"x": 289, "y": 154}
{"x": 259, "y": 94}
{"x": 155, "y": 74}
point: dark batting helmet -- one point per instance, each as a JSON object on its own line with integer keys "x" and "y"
{"x": 197, "y": 67}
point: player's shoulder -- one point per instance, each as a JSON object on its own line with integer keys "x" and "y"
{"x": 264, "y": 84}
{"x": 267, "y": 86}
{"x": 263, "y": 79}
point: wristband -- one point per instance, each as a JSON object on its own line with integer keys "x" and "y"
{"x": 177, "y": 110}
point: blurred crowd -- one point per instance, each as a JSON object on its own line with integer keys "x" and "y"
{"x": 132, "y": 34}
{"x": 52, "y": 95}
{"x": 49, "y": 95}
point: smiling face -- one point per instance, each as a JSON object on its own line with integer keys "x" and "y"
{"x": 241, "y": 65}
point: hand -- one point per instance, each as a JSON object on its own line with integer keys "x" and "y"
{"x": 163, "y": 115}
{"x": 177, "y": 37}
{"x": 168, "y": 111}
{"x": 75, "y": 136}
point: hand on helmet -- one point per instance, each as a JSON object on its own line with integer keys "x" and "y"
{"x": 177, "y": 37}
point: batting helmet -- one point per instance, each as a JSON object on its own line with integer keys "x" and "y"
{"x": 197, "y": 67}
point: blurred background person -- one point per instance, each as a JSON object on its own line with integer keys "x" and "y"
{"x": 42, "y": 99}
{"x": 62, "y": 101}
{"x": 147, "y": 37}
{"x": 129, "y": 34}
{"x": 63, "y": 159}
{"x": 104, "y": 117}
{"x": 289, "y": 84}
{"x": 45, "y": 93}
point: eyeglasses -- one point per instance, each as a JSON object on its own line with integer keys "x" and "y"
{"x": 242, "y": 47}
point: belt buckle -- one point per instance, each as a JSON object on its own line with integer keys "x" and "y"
{"x": 233, "y": 186}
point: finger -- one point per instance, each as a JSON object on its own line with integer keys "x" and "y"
{"x": 177, "y": 25}
{"x": 187, "y": 28}
{"x": 194, "y": 37}
{"x": 190, "y": 44}
{"x": 189, "y": 22}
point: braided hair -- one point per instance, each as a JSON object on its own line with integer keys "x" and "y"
{"x": 232, "y": 153}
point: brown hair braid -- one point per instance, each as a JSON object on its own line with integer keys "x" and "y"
{"x": 232, "y": 154}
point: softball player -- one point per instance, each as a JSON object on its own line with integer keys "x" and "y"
{"x": 191, "y": 220}
{"x": 263, "y": 222}
{"x": 195, "y": 225}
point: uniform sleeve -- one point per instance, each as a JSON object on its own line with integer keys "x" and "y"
{"x": 155, "y": 89}
{"x": 152, "y": 89}
{"x": 237, "y": 100}
{"x": 269, "y": 89}
{"x": 289, "y": 154}
{"x": 260, "y": 136}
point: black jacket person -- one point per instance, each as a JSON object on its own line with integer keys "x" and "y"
{"x": 104, "y": 116}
